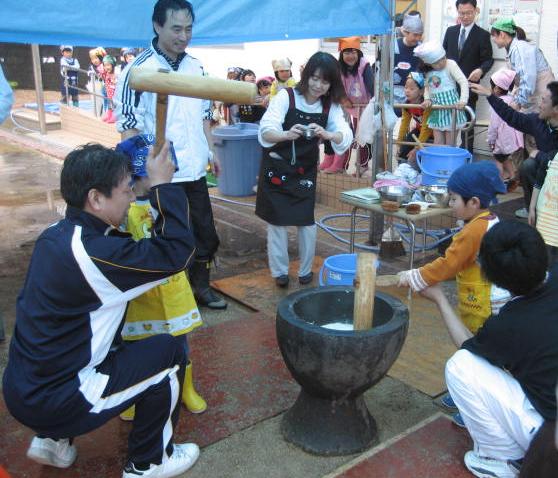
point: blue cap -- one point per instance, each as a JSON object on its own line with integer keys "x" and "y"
{"x": 137, "y": 150}
{"x": 417, "y": 77}
{"x": 480, "y": 179}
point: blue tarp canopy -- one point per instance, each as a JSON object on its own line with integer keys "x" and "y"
{"x": 128, "y": 22}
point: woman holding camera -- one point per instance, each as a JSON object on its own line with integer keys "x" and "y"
{"x": 290, "y": 131}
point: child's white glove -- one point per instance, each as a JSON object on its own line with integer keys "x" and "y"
{"x": 403, "y": 279}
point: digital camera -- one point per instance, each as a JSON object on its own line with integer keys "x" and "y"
{"x": 309, "y": 133}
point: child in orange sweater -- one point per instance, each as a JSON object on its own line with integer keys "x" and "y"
{"x": 472, "y": 187}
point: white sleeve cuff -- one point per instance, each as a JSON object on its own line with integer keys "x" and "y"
{"x": 416, "y": 281}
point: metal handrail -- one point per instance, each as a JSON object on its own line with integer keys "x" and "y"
{"x": 468, "y": 125}
{"x": 92, "y": 76}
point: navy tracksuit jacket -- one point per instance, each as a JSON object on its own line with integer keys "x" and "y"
{"x": 81, "y": 276}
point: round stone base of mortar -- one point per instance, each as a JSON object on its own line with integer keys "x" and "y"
{"x": 329, "y": 427}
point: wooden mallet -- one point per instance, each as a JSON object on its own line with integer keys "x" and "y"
{"x": 165, "y": 82}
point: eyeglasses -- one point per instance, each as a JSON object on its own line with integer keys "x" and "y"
{"x": 467, "y": 13}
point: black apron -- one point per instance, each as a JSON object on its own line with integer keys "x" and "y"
{"x": 287, "y": 185}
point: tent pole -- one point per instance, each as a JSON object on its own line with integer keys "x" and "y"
{"x": 376, "y": 221}
{"x": 39, "y": 87}
{"x": 383, "y": 142}
{"x": 391, "y": 60}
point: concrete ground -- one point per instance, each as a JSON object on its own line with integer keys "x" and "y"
{"x": 30, "y": 201}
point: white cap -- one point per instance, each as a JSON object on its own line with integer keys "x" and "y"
{"x": 412, "y": 24}
{"x": 430, "y": 52}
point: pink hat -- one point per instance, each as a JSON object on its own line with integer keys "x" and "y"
{"x": 503, "y": 78}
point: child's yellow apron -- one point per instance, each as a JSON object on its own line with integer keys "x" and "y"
{"x": 169, "y": 308}
{"x": 473, "y": 294}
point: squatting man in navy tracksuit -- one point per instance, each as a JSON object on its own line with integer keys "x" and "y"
{"x": 68, "y": 373}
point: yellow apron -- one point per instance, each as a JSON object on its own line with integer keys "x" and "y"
{"x": 169, "y": 308}
{"x": 474, "y": 301}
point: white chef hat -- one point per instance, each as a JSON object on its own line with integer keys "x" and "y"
{"x": 430, "y": 52}
{"x": 281, "y": 64}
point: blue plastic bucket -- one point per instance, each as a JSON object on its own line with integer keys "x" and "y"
{"x": 438, "y": 162}
{"x": 339, "y": 270}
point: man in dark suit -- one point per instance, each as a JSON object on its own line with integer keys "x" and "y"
{"x": 469, "y": 45}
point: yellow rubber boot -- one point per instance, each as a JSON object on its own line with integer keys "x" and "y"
{"x": 190, "y": 397}
{"x": 128, "y": 415}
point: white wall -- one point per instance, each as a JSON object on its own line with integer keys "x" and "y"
{"x": 255, "y": 56}
{"x": 549, "y": 29}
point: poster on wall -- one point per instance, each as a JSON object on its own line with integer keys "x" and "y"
{"x": 500, "y": 8}
{"x": 526, "y": 13}
{"x": 530, "y": 22}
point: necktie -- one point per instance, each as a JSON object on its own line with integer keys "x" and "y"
{"x": 461, "y": 41}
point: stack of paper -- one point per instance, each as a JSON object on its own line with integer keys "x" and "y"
{"x": 364, "y": 195}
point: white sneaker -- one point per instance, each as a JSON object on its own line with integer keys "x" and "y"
{"x": 485, "y": 467}
{"x": 51, "y": 452}
{"x": 522, "y": 213}
{"x": 182, "y": 458}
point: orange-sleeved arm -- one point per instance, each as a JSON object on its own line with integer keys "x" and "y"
{"x": 405, "y": 122}
{"x": 461, "y": 254}
{"x": 425, "y": 130}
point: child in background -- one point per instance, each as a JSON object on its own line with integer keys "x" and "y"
{"x": 248, "y": 75}
{"x": 234, "y": 72}
{"x": 169, "y": 308}
{"x": 442, "y": 76}
{"x": 358, "y": 81}
{"x": 264, "y": 89}
{"x": 95, "y": 83}
{"x": 250, "y": 113}
{"x": 128, "y": 55}
{"x": 283, "y": 76}
{"x": 72, "y": 75}
{"x": 109, "y": 78}
{"x": 414, "y": 95}
{"x": 472, "y": 187}
{"x": 505, "y": 142}
{"x": 96, "y": 56}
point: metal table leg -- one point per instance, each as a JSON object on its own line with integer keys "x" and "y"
{"x": 413, "y": 230}
{"x": 353, "y": 228}
{"x": 424, "y": 228}
{"x": 2, "y": 333}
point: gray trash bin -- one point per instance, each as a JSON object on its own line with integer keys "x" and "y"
{"x": 239, "y": 154}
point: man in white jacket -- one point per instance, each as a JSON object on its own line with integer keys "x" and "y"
{"x": 187, "y": 128}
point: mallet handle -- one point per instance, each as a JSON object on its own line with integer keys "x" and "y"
{"x": 365, "y": 288}
{"x": 161, "y": 122}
